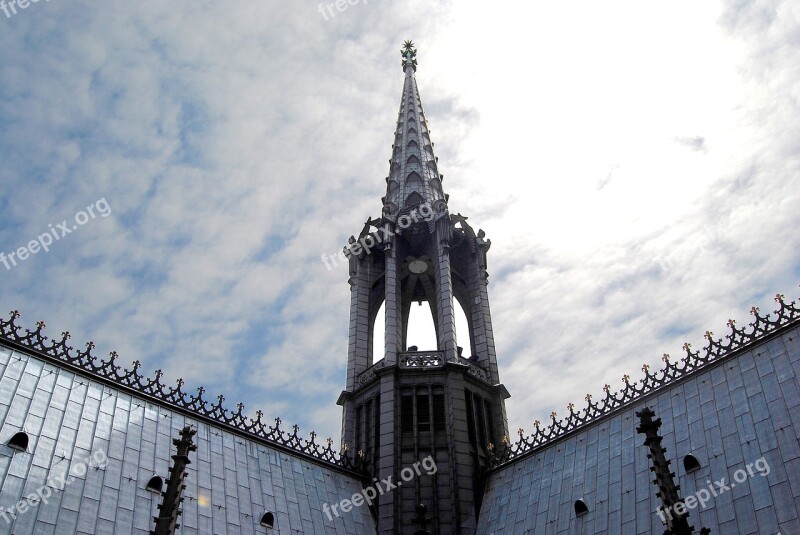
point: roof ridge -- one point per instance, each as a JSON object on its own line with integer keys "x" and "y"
{"x": 715, "y": 350}
{"x": 108, "y": 371}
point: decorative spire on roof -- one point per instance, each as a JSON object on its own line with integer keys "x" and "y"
{"x": 673, "y": 508}
{"x": 170, "y": 508}
{"x": 414, "y": 177}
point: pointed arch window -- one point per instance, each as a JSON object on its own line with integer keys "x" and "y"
{"x": 690, "y": 463}
{"x": 580, "y": 508}
{"x": 268, "y": 520}
{"x": 412, "y": 145}
{"x": 414, "y": 199}
{"x": 156, "y": 484}
{"x": 412, "y": 130}
{"x": 412, "y": 160}
{"x": 414, "y": 176}
{"x": 19, "y": 442}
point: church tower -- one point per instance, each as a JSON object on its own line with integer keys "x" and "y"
{"x": 428, "y": 417}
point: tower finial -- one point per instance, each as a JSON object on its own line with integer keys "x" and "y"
{"x": 409, "y": 54}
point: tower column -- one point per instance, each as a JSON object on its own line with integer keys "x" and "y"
{"x": 445, "y": 317}
{"x": 387, "y": 453}
{"x": 394, "y": 314}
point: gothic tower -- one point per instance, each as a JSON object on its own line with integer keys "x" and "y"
{"x": 427, "y": 403}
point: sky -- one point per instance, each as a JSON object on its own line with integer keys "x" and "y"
{"x": 635, "y": 165}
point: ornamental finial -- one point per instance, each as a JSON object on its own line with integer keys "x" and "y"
{"x": 409, "y": 54}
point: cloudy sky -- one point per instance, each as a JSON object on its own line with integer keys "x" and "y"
{"x": 634, "y": 164}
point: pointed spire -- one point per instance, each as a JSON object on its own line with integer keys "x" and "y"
{"x": 413, "y": 172}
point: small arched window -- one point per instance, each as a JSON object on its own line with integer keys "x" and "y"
{"x": 413, "y": 176}
{"x": 414, "y": 199}
{"x": 156, "y": 484}
{"x": 690, "y": 463}
{"x": 580, "y": 508}
{"x": 268, "y": 520}
{"x": 19, "y": 441}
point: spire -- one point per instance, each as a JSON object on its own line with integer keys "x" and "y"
{"x": 413, "y": 173}
{"x": 434, "y": 400}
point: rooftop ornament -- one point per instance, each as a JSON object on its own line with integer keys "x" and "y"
{"x": 409, "y": 54}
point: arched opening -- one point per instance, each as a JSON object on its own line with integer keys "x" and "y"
{"x": 379, "y": 334}
{"x": 415, "y": 198}
{"x": 156, "y": 484}
{"x": 413, "y": 176}
{"x": 412, "y": 160}
{"x": 19, "y": 442}
{"x": 268, "y": 520}
{"x": 690, "y": 463}
{"x": 580, "y": 508}
{"x": 463, "y": 338}
{"x": 421, "y": 331}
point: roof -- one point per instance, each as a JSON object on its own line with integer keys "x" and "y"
{"x": 715, "y": 351}
{"x": 196, "y": 405}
